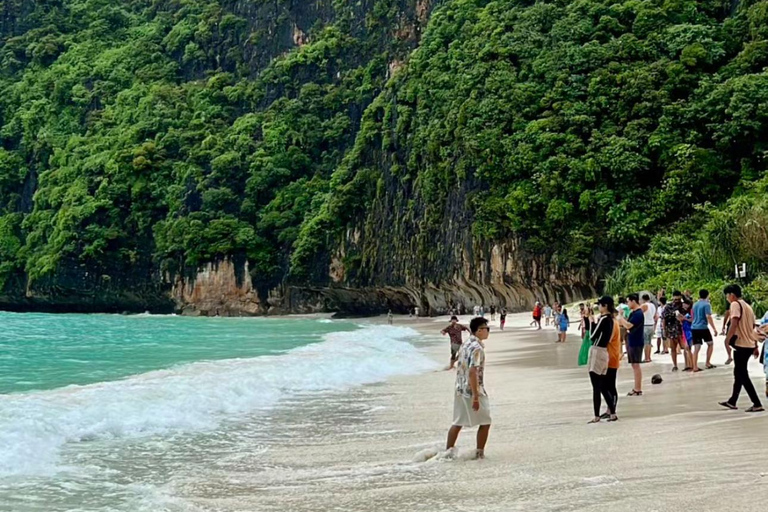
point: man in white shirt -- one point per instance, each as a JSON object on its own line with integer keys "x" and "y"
{"x": 650, "y": 315}
{"x": 471, "y": 407}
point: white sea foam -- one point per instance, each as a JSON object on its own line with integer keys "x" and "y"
{"x": 35, "y": 426}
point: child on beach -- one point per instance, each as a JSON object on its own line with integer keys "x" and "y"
{"x": 502, "y": 318}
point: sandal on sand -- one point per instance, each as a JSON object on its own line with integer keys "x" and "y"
{"x": 710, "y": 367}
{"x": 613, "y": 418}
{"x": 605, "y": 416}
{"x": 593, "y": 420}
{"x": 687, "y": 369}
{"x": 728, "y": 361}
{"x": 674, "y": 368}
{"x": 635, "y": 393}
{"x": 728, "y": 405}
{"x": 751, "y": 409}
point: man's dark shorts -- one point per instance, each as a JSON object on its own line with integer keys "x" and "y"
{"x": 701, "y": 335}
{"x": 635, "y": 355}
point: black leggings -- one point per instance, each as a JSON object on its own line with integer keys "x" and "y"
{"x": 610, "y": 384}
{"x": 741, "y": 378}
{"x": 598, "y": 388}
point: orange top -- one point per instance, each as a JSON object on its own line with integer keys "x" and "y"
{"x": 614, "y": 347}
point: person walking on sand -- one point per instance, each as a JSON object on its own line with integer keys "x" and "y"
{"x": 742, "y": 337}
{"x": 536, "y": 316}
{"x": 454, "y": 331}
{"x": 635, "y": 341}
{"x": 502, "y": 318}
{"x": 547, "y": 315}
{"x": 650, "y": 316}
{"x": 702, "y": 320}
{"x": 493, "y": 312}
{"x": 600, "y": 333}
{"x": 470, "y": 403}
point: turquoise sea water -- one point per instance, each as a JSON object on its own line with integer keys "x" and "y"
{"x": 107, "y": 412}
{"x": 43, "y": 351}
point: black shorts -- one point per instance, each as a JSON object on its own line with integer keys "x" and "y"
{"x": 701, "y": 335}
{"x": 635, "y": 355}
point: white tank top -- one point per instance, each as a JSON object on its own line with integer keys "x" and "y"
{"x": 649, "y": 313}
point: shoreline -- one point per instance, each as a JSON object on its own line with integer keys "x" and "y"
{"x": 541, "y": 454}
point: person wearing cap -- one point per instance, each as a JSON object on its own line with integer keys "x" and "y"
{"x": 454, "y": 331}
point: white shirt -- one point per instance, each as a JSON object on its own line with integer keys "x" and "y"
{"x": 649, "y": 313}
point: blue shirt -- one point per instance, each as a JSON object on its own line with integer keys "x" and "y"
{"x": 635, "y": 337}
{"x": 701, "y": 309}
{"x": 687, "y": 328}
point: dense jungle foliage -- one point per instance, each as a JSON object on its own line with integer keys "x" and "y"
{"x": 170, "y": 133}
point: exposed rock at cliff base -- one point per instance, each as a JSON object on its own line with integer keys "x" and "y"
{"x": 218, "y": 289}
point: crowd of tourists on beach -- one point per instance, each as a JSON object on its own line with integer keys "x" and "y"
{"x": 681, "y": 326}
{"x": 611, "y": 330}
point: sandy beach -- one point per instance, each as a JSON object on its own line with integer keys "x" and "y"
{"x": 673, "y": 448}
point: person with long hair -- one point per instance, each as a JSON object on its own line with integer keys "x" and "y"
{"x": 601, "y": 332}
{"x": 563, "y": 324}
{"x": 614, "y": 361}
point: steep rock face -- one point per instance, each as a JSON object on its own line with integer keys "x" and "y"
{"x": 218, "y": 289}
{"x": 499, "y": 275}
{"x": 76, "y": 289}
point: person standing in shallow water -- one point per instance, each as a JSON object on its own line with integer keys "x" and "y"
{"x": 742, "y": 337}
{"x": 470, "y": 404}
{"x": 454, "y": 331}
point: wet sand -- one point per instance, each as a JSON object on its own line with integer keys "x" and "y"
{"x": 672, "y": 449}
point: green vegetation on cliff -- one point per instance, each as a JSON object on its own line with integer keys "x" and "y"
{"x": 577, "y": 124}
{"x": 164, "y": 134}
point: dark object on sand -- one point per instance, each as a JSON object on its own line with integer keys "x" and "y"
{"x": 656, "y": 379}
